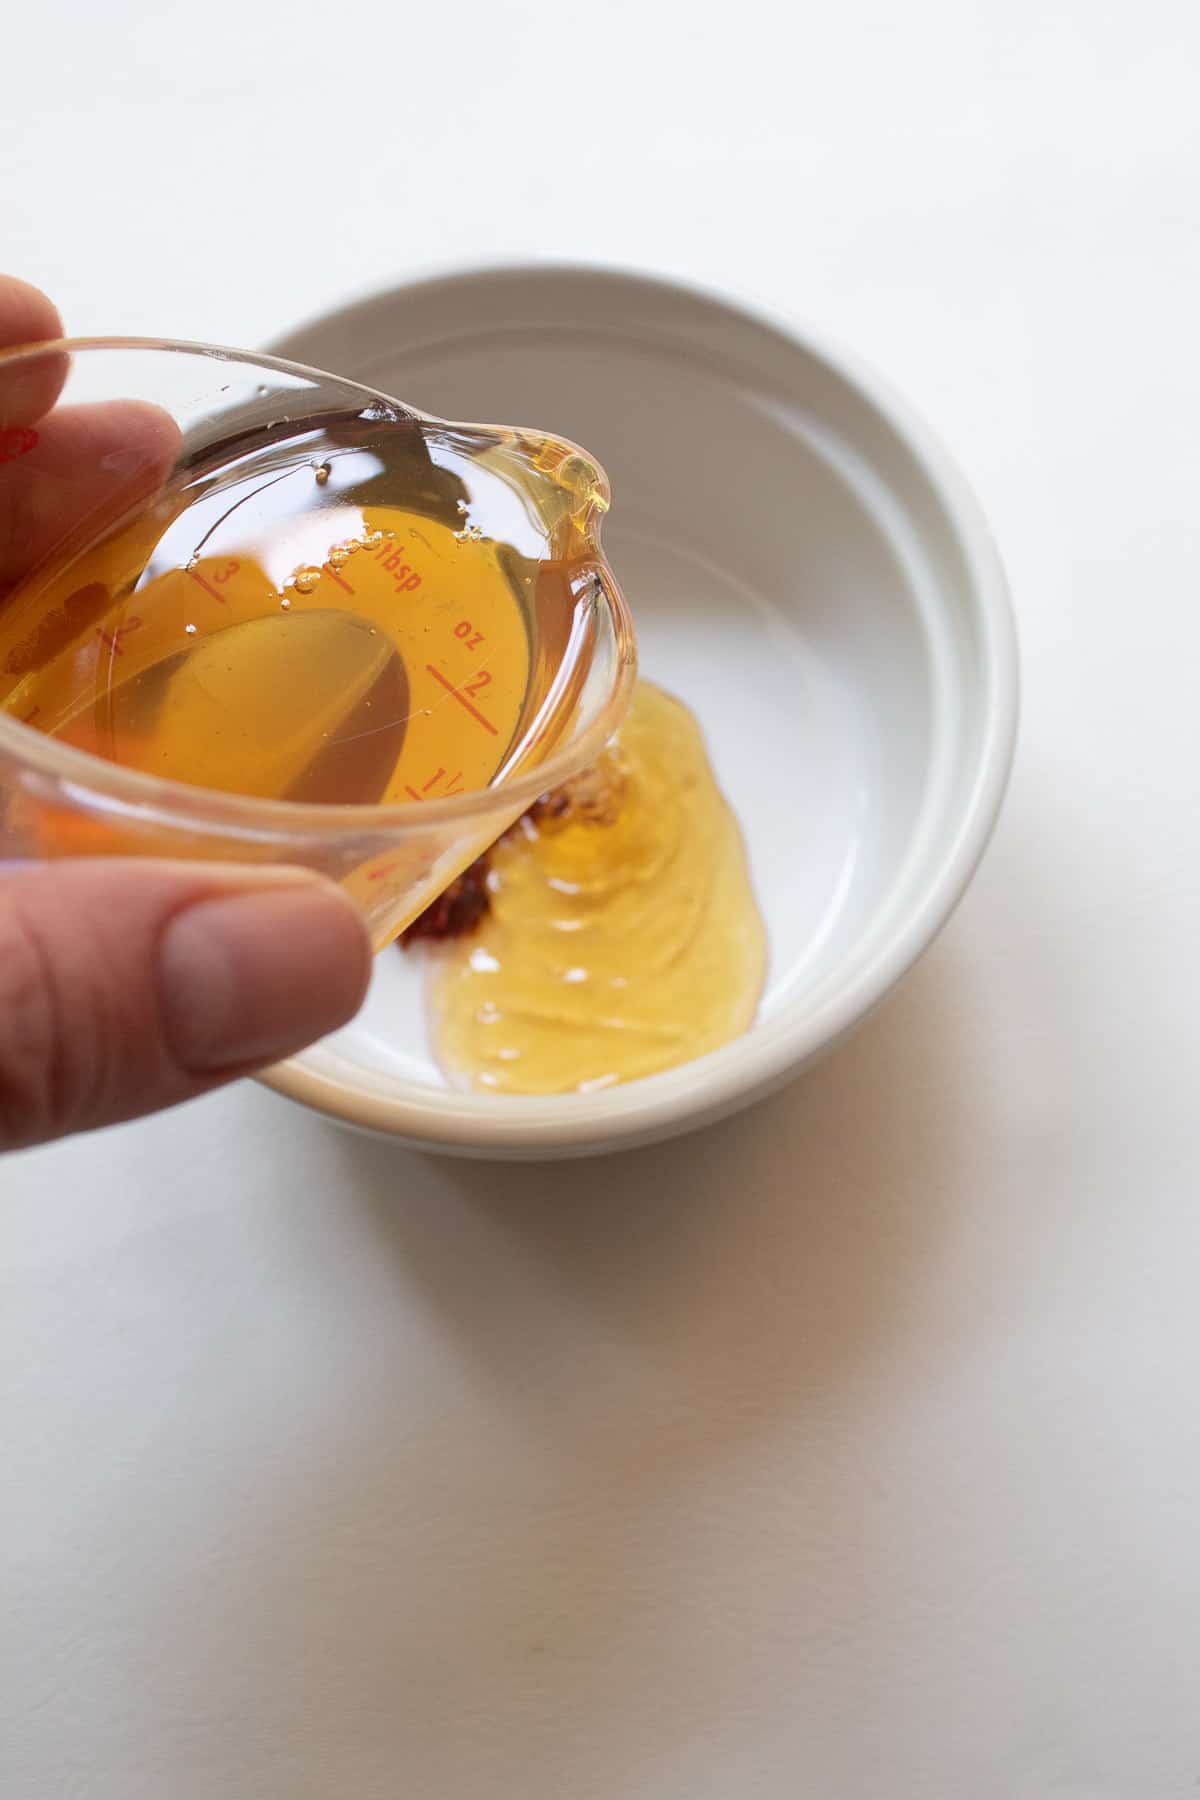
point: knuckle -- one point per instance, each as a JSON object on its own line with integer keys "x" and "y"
{"x": 41, "y": 1061}
{"x": 21, "y": 496}
{"x": 27, "y": 1033}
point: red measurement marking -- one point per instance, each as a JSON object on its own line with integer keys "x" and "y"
{"x": 402, "y": 573}
{"x": 462, "y": 700}
{"x": 31, "y": 716}
{"x": 113, "y": 638}
{"x": 333, "y": 575}
{"x": 467, "y": 632}
{"x": 432, "y": 782}
{"x": 16, "y": 440}
{"x": 378, "y": 874}
{"x": 207, "y": 586}
{"x": 231, "y": 568}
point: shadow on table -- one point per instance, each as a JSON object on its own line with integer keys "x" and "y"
{"x": 638, "y": 1404}
{"x": 739, "y": 1272}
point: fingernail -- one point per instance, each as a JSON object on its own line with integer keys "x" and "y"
{"x": 248, "y": 978}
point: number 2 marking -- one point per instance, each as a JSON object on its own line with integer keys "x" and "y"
{"x": 112, "y": 639}
{"x": 460, "y": 696}
{"x": 482, "y": 680}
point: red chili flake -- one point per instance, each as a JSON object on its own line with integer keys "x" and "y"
{"x": 458, "y": 910}
{"x": 591, "y": 798}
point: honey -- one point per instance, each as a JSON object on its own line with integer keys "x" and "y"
{"x": 622, "y": 936}
{"x": 277, "y": 624}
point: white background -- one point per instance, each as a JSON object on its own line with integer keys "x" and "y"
{"x": 851, "y": 1449}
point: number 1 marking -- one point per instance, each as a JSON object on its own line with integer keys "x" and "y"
{"x": 432, "y": 782}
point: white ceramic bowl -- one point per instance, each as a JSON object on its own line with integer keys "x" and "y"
{"x": 808, "y": 571}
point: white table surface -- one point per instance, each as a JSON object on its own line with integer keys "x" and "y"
{"x": 851, "y": 1449}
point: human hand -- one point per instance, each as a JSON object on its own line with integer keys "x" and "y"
{"x": 128, "y": 985}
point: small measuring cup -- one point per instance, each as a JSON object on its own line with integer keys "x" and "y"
{"x": 114, "y": 462}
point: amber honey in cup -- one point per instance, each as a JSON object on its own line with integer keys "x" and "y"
{"x": 252, "y": 610}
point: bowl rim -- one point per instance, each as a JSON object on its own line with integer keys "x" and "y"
{"x": 776, "y": 1048}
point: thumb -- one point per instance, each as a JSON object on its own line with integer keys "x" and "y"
{"x": 126, "y": 986}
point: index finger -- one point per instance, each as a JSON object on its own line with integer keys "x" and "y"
{"x": 77, "y": 464}
{"x": 28, "y": 390}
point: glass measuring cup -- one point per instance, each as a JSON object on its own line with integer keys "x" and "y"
{"x": 253, "y": 612}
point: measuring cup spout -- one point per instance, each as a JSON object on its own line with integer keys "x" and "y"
{"x": 576, "y": 486}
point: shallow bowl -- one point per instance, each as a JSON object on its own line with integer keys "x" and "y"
{"x": 807, "y": 570}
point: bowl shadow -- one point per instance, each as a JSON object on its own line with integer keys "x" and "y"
{"x": 747, "y": 1267}
{"x": 619, "y": 1392}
